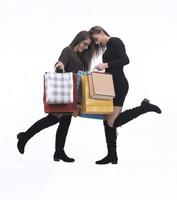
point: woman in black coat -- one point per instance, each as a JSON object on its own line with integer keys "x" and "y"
{"x": 76, "y": 56}
{"x": 114, "y": 58}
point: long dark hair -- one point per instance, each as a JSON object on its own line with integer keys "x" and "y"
{"x": 98, "y": 30}
{"x": 87, "y": 55}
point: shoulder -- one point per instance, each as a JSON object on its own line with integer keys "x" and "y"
{"x": 115, "y": 41}
{"x": 67, "y": 49}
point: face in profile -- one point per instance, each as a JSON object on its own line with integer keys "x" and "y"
{"x": 84, "y": 45}
{"x": 100, "y": 39}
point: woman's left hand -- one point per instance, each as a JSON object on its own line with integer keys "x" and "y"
{"x": 101, "y": 66}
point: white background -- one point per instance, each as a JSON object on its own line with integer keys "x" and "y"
{"x": 32, "y": 35}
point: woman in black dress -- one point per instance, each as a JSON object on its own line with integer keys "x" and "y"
{"x": 114, "y": 59}
{"x": 76, "y": 56}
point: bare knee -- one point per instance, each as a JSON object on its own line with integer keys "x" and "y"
{"x": 111, "y": 118}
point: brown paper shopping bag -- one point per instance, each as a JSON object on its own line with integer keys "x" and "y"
{"x": 101, "y": 86}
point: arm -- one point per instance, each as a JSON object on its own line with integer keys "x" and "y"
{"x": 119, "y": 50}
{"x": 63, "y": 59}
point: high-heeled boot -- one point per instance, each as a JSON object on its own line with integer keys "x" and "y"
{"x": 133, "y": 113}
{"x": 111, "y": 137}
{"x": 41, "y": 124}
{"x": 60, "y": 140}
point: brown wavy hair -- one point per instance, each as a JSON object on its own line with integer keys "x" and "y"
{"x": 98, "y": 30}
{"x": 87, "y": 55}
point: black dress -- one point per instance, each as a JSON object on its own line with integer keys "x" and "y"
{"x": 116, "y": 57}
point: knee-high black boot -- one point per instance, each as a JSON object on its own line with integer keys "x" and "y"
{"x": 61, "y": 138}
{"x": 111, "y": 137}
{"x": 130, "y": 114}
{"x": 41, "y": 124}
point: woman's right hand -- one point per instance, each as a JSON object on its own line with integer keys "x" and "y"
{"x": 59, "y": 65}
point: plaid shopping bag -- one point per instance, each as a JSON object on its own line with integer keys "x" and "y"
{"x": 61, "y": 108}
{"x": 59, "y": 88}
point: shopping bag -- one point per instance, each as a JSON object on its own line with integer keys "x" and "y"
{"x": 59, "y": 87}
{"x": 62, "y": 108}
{"x": 91, "y": 116}
{"x": 101, "y": 86}
{"x": 78, "y": 113}
{"x": 93, "y": 106}
{"x": 79, "y": 84}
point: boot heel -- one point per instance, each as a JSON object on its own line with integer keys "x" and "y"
{"x": 56, "y": 159}
{"x": 19, "y": 135}
{"x": 146, "y": 100}
{"x": 114, "y": 162}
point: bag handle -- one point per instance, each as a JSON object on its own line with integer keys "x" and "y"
{"x": 63, "y": 70}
